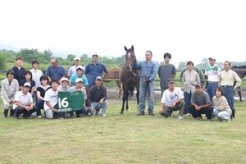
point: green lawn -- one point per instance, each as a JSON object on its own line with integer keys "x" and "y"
{"x": 123, "y": 139}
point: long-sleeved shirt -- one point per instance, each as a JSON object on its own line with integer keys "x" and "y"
{"x": 96, "y": 94}
{"x": 94, "y": 70}
{"x": 166, "y": 72}
{"x": 228, "y": 78}
{"x": 148, "y": 69}
{"x": 221, "y": 104}
{"x": 190, "y": 79}
{"x": 8, "y": 91}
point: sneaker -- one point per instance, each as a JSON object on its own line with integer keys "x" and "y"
{"x": 39, "y": 117}
{"x": 104, "y": 115}
{"x": 151, "y": 113}
{"x": 180, "y": 117}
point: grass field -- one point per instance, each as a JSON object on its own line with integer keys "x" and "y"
{"x": 123, "y": 139}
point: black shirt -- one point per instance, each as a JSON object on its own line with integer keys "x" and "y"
{"x": 42, "y": 90}
{"x": 96, "y": 94}
{"x": 19, "y": 74}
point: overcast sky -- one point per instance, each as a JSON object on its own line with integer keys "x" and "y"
{"x": 188, "y": 29}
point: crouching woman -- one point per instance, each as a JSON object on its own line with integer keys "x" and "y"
{"x": 221, "y": 108}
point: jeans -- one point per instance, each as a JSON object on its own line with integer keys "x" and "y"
{"x": 39, "y": 106}
{"x": 211, "y": 88}
{"x": 229, "y": 95}
{"x": 208, "y": 111}
{"x": 187, "y": 99}
{"x": 20, "y": 110}
{"x": 146, "y": 89}
{"x": 97, "y": 106}
{"x": 223, "y": 115}
{"x": 169, "y": 110}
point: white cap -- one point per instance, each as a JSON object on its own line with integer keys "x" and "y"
{"x": 27, "y": 84}
{"x": 64, "y": 79}
{"x": 99, "y": 78}
{"x": 80, "y": 67}
{"x": 76, "y": 58}
{"x": 78, "y": 80}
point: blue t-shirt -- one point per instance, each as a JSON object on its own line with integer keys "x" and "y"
{"x": 94, "y": 70}
{"x": 74, "y": 77}
{"x": 55, "y": 73}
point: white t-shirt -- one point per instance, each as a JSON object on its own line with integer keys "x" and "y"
{"x": 23, "y": 99}
{"x": 52, "y": 97}
{"x": 36, "y": 74}
{"x": 168, "y": 98}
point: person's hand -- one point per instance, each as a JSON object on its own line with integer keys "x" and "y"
{"x": 27, "y": 108}
{"x": 174, "y": 104}
{"x": 101, "y": 101}
{"x": 55, "y": 110}
{"x": 197, "y": 107}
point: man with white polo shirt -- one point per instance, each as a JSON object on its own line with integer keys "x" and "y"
{"x": 212, "y": 74}
{"x": 73, "y": 68}
{"x": 23, "y": 102}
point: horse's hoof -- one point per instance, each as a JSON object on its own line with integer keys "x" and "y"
{"x": 121, "y": 112}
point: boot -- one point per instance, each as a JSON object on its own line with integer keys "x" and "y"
{"x": 5, "y": 112}
{"x": 11, "y": 112}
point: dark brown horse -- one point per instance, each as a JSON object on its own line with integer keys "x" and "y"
{"x": 129, "y": 78}
{"x": 241, "y": 71}
{"x": 113, "y": 75}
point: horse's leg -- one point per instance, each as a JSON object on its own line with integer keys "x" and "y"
{"x": 127, "y": 96}
{"x": 123, "y": 101}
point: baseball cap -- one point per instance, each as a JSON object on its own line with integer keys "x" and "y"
{"x": 64, "y": 79}
{"x": 99, "y": 78}
{"x": 78, "y": 80}
{"x": 80, "y": 67}
{"x": 76, "y": 58}
{"x": 26, "y": 84}
{"x": 170, "y": 81}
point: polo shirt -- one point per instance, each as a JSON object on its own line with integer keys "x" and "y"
{"x": 55, "y": 73}
{"x": 23, "y": 99}
{"x": 94, "y": 70}
{"x": 74, "y": 77}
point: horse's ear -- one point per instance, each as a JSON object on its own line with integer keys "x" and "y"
{"x": 125, "y": 48}
{"x": 132, "y": 48}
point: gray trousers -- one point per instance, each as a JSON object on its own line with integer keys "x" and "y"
{"x": 167, "y": 112}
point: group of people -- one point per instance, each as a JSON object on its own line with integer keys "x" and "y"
{"x": 25, "y": 92}
{"x": 215, "y": 99}
{"x": 28, "y": 91}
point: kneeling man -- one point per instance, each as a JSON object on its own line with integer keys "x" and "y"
{"x": 200, "y": 103}
{"x": 172, "y": 100}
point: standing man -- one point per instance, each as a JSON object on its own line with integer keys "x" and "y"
{"x": 166, "y": 71}
{"x": 227, "y": 79}
{"x": 94, "y": 69}
{"x": 212, "y": 73}
{"x": 190, "y": 79}
{"x": 98, "y": 97}
{"x": 24, "y": 102}
{"x": 72, "y": 69}
{"x": 148, "y": 70}
{"x": 55, "y": 71}
{"x": 19, "y": 71}
{"x": 36, "y": 74}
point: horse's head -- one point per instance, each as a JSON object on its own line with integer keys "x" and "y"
{"x": 130, "y": 55}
